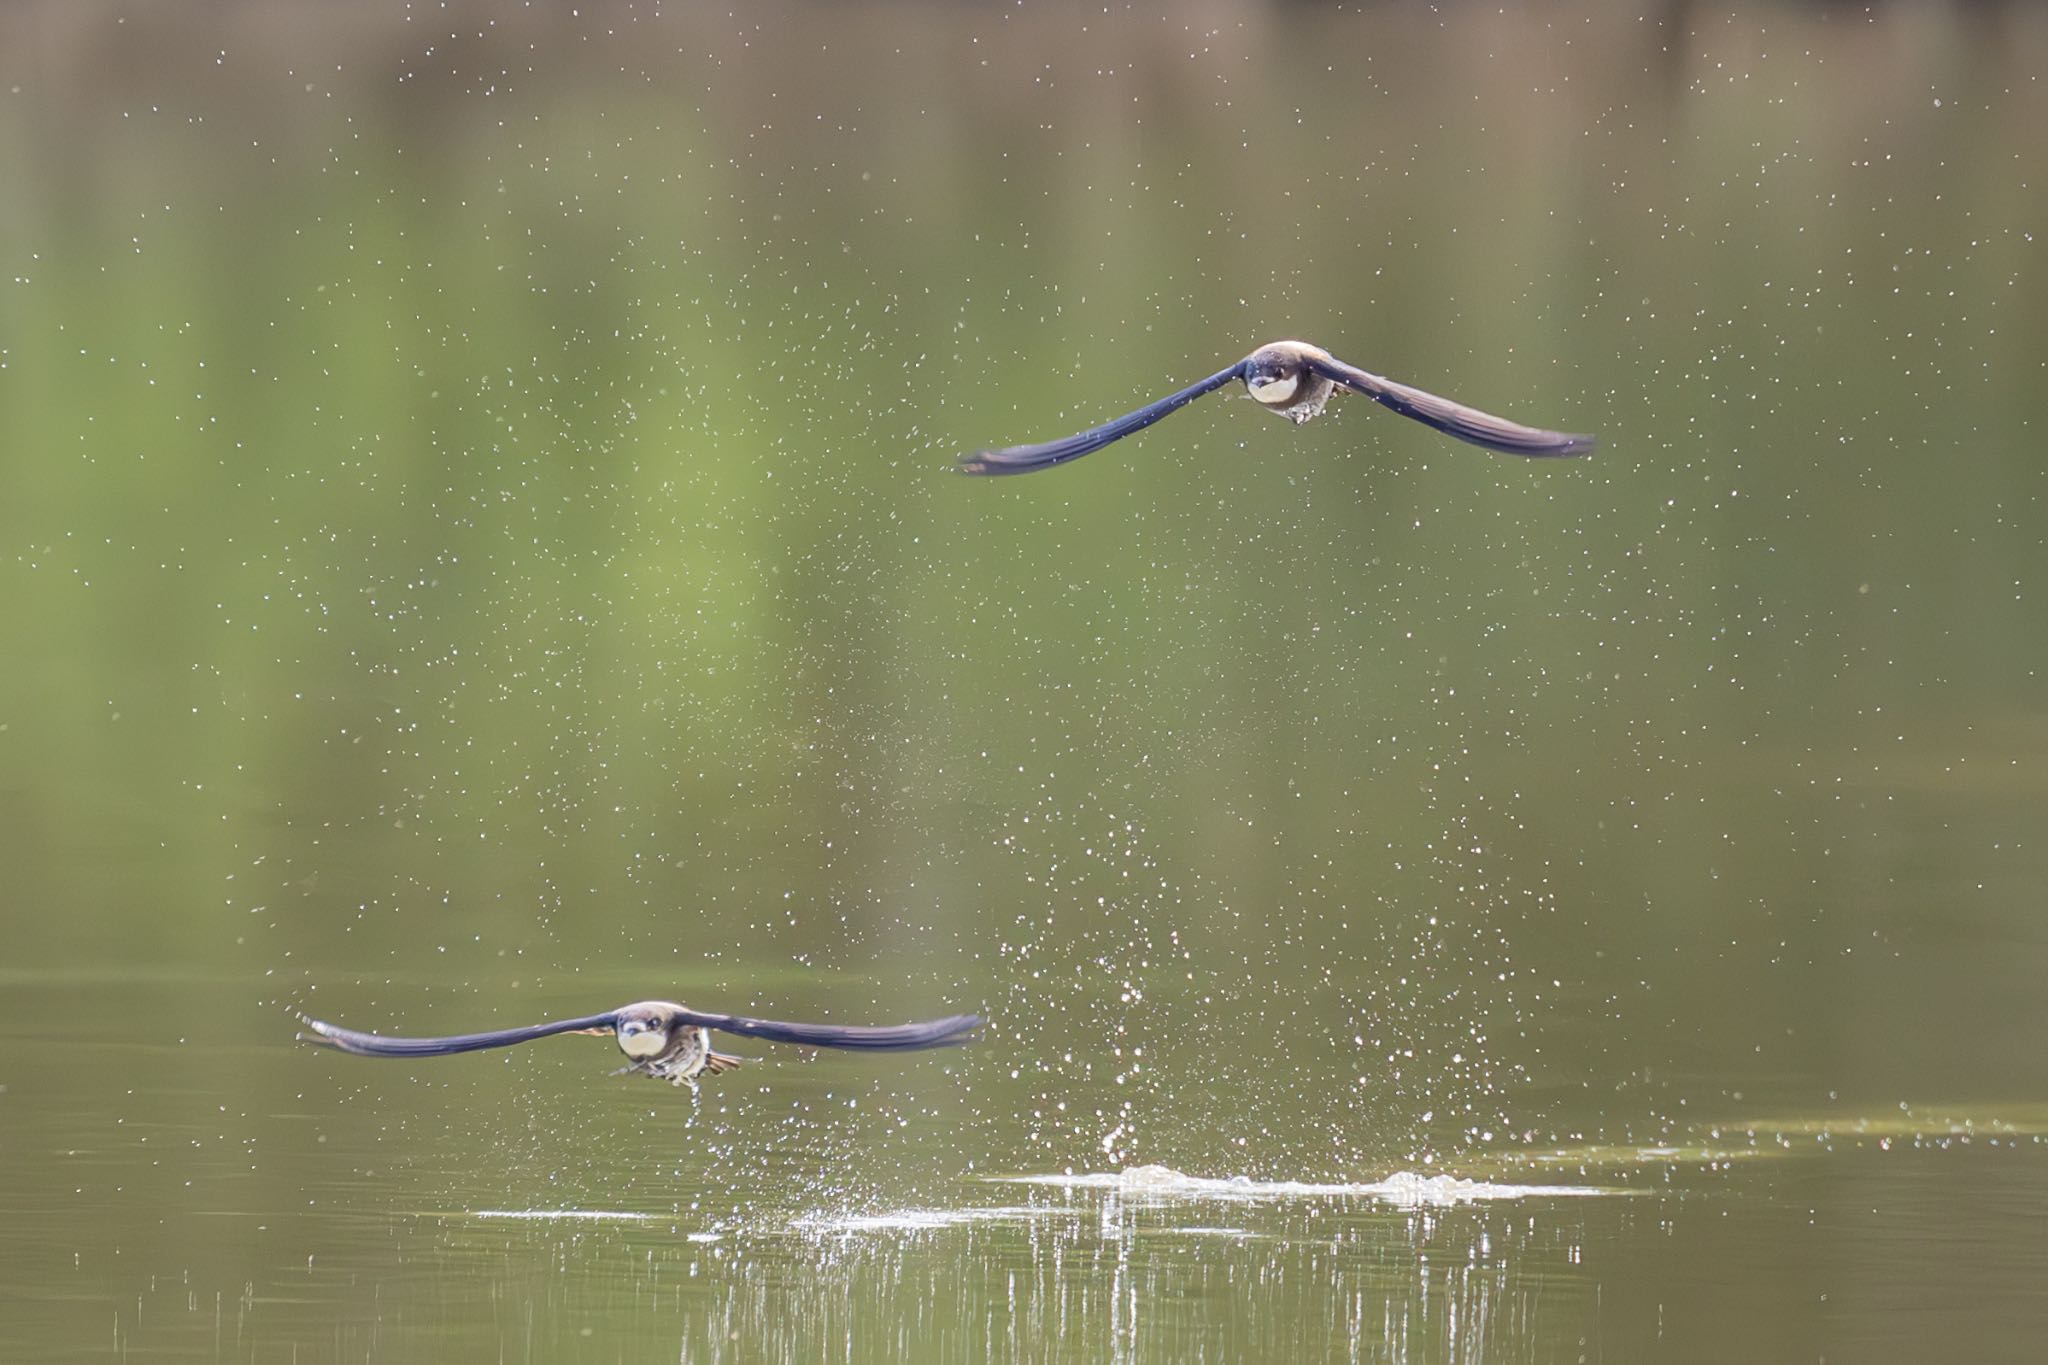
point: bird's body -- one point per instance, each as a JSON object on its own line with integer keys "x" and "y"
{"x": 662, "y": 1039}
{"x": 1295, "y": 380}
{"x": 1286, "y": 383}
{"x": 678, "y": 1056}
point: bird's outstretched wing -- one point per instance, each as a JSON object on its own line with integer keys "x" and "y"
{"x": 377, "y": 1045}
{"x": 1024, "y": 459}
{"x": 900, "y": 1038}
{"x": 1454, "y": 419}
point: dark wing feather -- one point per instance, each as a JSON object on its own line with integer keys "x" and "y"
{"x": 901, "y": 1038}
{"x": 376, "y": 1045}
{"x": 1024, "y": 459}
{"x": 1455, "y": 419}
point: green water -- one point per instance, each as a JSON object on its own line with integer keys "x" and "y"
{"x": 478, "y": 543}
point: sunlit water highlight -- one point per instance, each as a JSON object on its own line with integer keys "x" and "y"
{"x": 1784, "y": 1137}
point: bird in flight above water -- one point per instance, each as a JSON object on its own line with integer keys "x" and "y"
{"x": 1295, "y": 380}
{"x": 664, "y": 1040}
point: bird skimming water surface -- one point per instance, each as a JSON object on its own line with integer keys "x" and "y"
{"x": 664, "y": 1040}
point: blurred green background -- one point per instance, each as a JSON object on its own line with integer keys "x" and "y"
{"x": 479, "y": 542}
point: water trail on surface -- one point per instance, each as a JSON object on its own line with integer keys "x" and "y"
{"x": 1404, "y": 1188}
{"x": 917, "y": 1220}
{"x": 559, "y": 1215}
{"x": 1142, "y": 1185}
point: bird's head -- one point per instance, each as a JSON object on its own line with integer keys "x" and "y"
{"x": 643, "y": 1029}
{"x": 1273, "y": 374}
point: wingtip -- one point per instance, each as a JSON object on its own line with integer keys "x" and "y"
{"x": 955, "y": 1030}
{"x": 321, "y": 1035}
{"x": 983, "y": 462}
{"x": 1569, "y": 445}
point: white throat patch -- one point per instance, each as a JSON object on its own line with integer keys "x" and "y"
{"x": 1275, "y": 392}
{"x": 651, "y": 1043}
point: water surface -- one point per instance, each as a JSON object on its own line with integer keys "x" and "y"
{"x": 479, "y": 544}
